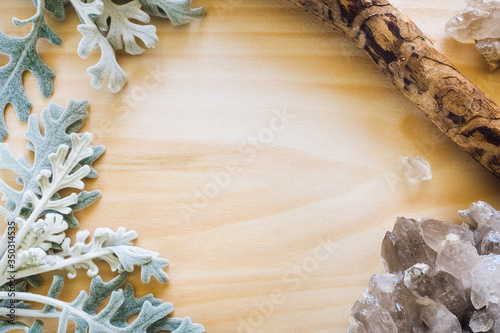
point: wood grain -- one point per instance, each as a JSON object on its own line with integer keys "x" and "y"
{"x": 419, "y": 71}
{"x": 291, "y": 240}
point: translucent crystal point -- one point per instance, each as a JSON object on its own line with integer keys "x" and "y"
{"x": 478, "y": 20}
{"x": 478, "y": 23}
{"x": 490, "y": 243}
{"x": 372, "y": 312}
{"x": 481, "y": 213}
{"x": 481, "y": 321}
{"x": 457, "y": 258}
{"x": 485, "y": 288}
{"x": 435, "y": 232}
{"x": 385, "y": 306}
{"x": 405, "y": 247}
{"x": 490, "y": 49}
{"x": 416, "y": 168}
{"x": 439, "y": 319}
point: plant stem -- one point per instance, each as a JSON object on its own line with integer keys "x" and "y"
{"x": 59, "y": 265}
{"x": 24, "y": 296}
{"x": 31, "y": 313}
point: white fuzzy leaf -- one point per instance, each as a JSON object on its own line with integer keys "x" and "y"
{"x": 122, "y": 30}
{"x": 178, "y": 11}
{"x": 107, "y": 65}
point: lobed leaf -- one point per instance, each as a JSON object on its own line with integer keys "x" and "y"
{"x": 24, "y": 57}
{"x": 56, "y": 7}
{"x": 5, "y": 326}
{"x": 178, "y": 11}
{"x": 115, "y": 248}
{"x": 37, "y": 327}
{"x": 45, "y": 232}
{"x": 151, "y": 313}
{"x": 58, "y": 124}
{"x": 85, "y": 199}
{"x": 107, "y": 64}
{"x": 121, "y": 30}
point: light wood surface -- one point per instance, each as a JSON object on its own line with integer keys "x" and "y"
{"x": 289, "y": 240}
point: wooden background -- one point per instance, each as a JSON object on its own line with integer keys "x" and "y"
{"x": 288, "y": 241}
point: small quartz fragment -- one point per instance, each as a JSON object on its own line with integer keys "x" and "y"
{"x": 439, "y": 319}
{"x": 490, "y": 243}
{"x": 478, "y": 23}
{"x": 443, "y": 277}
{"x": 478, "y": 20}
{"x": 490, "y": 50}
{"x": 435, "y": 232}
{"x": 405, "y": 247}
{"x": 481, "y": 213}
{"x": 457, "y": 258}
{"x": 485, "y": 289}
{"x": 416, "y": 168}
{"x": 443, "y": 288}
{"x": 481, "y": 321}
{"x": 372, "y": 312}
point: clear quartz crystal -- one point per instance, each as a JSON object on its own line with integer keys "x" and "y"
{"x": 490, "y": 243}
{"x": 416, "y": 168}
{"x": 479, "y": 23}
{"x": 457, "y": 258}
{"x": 372, "y": 312}
{"x": 439, "y": 319}
{"x": 490, "y": 49}
{"x": 485, "y": 290}
{"x": 444, "y": 277}
{"x": 481, "y": 321}
{"x": 435, "y": 232}
{"x": 478, "y": 20}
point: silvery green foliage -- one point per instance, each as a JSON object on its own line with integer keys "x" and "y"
{"x": 105, "y": 25}
{"x": 122, "y": 31}
{"x": 152, "y": 313}
{"x": 59, "y": 124}
{"x": 23, "y": 57}
{"x": 178, "y": 11}
{"x": 42, "y": 213}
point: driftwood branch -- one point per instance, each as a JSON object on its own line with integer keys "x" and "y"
{"x": 425, "y": 76}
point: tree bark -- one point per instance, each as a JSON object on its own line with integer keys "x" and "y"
{"x": 419, "y": 71}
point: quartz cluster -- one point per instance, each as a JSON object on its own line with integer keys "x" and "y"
{"x": 479, "y": 23}
{"x": 442, "y": 277}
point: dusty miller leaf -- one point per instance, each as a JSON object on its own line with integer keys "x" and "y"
{"x": 56, "y": 7}
{"x": 116, "y": 248}
{"x": 18, "y": 287}
{"x": 107, "y": 65}
{"x": 34, "y": 281}
{"x": 54, "y": 291}
{"x": 122, "y": 30}
{"x": 7, "y": 327}
{"x": 178, "y": 11}
{"x": 62, "y": 158}
{"x": 176, "y": 325}
{"x": 23, "y": 57}
{"x": 37, "y": 327}
{"x": 85, "y": 199}
{"x": 58, "y": 124}
{"x": 45, "y": 232}
{"x": 151, "y": 312}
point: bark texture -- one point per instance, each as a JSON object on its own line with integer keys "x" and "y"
{"x": 425, "y": 76}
